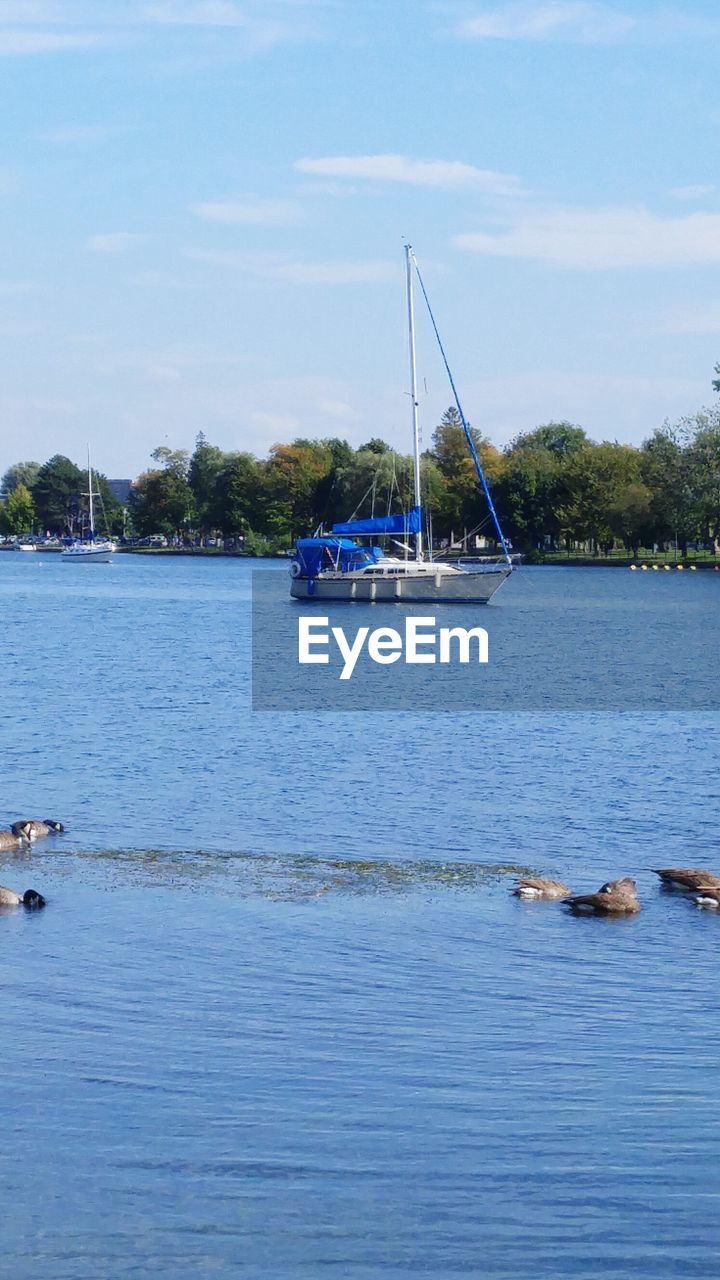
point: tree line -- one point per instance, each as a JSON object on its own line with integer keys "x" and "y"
{"x": 53, "y": 498}
{"x": 553, "y": 487}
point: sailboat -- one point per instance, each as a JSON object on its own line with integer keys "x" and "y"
{"x": 337, "y": 566}
{"x": 93, "y": 550}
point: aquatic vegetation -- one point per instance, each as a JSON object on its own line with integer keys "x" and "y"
{"x": 292, "y": 876}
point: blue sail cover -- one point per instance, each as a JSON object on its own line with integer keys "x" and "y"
{"x": 313, "y": 555}
{"x": 410, "y": 522}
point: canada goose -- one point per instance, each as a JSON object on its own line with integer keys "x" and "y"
{"x": 533, "y": 889}
{"x": 626, "y": 883}
{"x": 34, "y": 829}
{"x": 707, "y": 895}
{"x": 687, "y": 877}
{"x": 30, "y": 898}
{"x": 616, "y": 897}
{"x": 8, "y": 840}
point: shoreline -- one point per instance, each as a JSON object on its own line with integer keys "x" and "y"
{"x": 567, "y": 562}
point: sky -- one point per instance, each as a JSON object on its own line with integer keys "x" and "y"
{"x": 203, "y": 206}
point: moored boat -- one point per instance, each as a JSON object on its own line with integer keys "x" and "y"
{"x": 92, "y": 550}
{"x": 338, "y": 566}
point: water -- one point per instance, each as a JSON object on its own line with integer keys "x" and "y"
{"x": 281, "y": 1017}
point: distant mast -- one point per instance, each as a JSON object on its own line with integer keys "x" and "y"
{"x": 90, "y": 495}
{"x": 413, "y": 394}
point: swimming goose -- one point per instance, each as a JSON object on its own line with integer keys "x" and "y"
{"x": 34, "y": 829}
{"x": 30, "y": 898}
{"x": 707, "y": 895}
{"x": 687, "y": 877}
{"x": 533, "y": 889}
{"x": 615, "y": 897}
{"x": 626, "y": 883}
{"x": 8, "y": 840}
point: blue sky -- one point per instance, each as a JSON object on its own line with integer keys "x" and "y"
{"x": 203, "y": 205}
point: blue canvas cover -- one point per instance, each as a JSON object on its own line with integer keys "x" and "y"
{"x": 408, "y": 522}
{"x": 316, "y": 554}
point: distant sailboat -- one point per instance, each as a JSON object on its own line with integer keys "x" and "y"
{"x": 336, "y": 566}
{"x": 93, "y": 550}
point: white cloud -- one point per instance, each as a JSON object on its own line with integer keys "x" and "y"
{"x": 19, "y": 288}
{"x": 585, "y": 22}
{"x": 564, "y": 20}
{"x": 55, "y": 26}
{"x": 270, "y": 267}
{"x": 418, "y": 173}
{"x": 600, "y": 238}
{"x": 248, "y": 211}
{"x": 608, "y": 406}
{"x": 76, "y": 134}
{"x": 695, "y": 320}
{"x": 336, "y": 272}
{"x": 261, "y": 24}
{"x": 114, "y": 241}
{"x": 292, "y": 407}
{"x": 14, "y": 43}
{"x": 339, "y": 409}
{"x": 698, "y": 191}
{"x": 170, "y": 364}
{"x": 21, "y": 12}
{"x": 282, "y": 425}
{"x": 197, "y": 13}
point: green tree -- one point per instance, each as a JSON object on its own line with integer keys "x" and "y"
{"x": 292, "y": 476}
{"x": 205, "y": 466}
{"x": 374, "y": 484}
{"x": 702, "y": 433}
{"x": 375, "y": 445}
{"x": 547, "y": 484}
{"x": 108, "y": 511}
{"x": 461, "y": 502}
{"x": 19, "y": 473}
{"x": 630, "y": 515}
{"x": 528, "y": 493}
{"x": 667, "y": 470}
{"x": 17, "y": 512}
{"x": 58, "y": 494}
{"x": 176, "y": 461}
{"x": 561, "y": 438}
{"x": 161, "y": 500}
{"x": 328, "y": 502}
{"x": 236, "y": 504}
{"x": 598, "y": 487}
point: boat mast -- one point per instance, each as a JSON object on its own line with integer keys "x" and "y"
{"x": 90, "y": 495}
{"x": 413, "y": 395}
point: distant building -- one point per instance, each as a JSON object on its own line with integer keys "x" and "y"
{"x": 120, "y": 489}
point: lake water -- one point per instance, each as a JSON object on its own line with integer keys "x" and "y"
{"x": 281, "y": 1017}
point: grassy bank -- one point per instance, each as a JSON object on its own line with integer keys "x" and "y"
{"x": 621, "y": 560}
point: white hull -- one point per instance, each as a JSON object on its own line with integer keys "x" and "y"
{"x": 25, "y": 546}
{"x": 428, "y": 588}
{"x": 89, "y": 555}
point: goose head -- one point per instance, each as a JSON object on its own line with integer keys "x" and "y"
{"x": 23, "y": 830}
{"x": 33, "y": 900}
